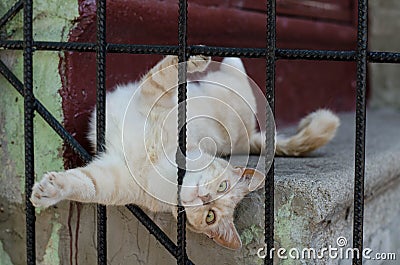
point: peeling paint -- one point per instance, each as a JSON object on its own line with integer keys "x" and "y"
{"x": 4, "y": 257}
{"x": 13, "y": 30}
{"x": 46, "y": 84}
{"x": 47, "y": 79}
{"x": 11, "y": 135}
{"x": 52, "y": 22}
{"x": 51, "y": 255}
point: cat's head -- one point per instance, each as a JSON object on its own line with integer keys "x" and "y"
{"x": 211, "y": 195}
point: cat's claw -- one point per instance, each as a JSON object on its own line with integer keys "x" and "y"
{"x": 198, "y": 63}
{"x": 48, "y": 191}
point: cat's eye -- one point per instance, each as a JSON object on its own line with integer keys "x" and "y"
{"x": 223, "y": 186}
{"x": 210, "y": 218}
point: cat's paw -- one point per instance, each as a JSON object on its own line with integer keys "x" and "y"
{"x": 198, "y": 63}
{"x": 48, "y": 191}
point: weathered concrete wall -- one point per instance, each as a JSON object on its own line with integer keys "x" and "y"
{"x": 383, "y": 36}
{"x": 48, "y": 145}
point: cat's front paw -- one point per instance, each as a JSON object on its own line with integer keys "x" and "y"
{"x": 48, "y": 191}
{"x": 198, "y": 63}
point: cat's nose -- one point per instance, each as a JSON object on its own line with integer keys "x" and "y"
{"x": 205, "y": 198}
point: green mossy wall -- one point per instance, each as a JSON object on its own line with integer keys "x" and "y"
{"x": 52, "y": 22}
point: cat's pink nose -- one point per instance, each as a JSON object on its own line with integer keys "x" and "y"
{"x": 205, "y": 198}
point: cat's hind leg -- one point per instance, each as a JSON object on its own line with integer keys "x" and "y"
{"x": 159, "y": 85}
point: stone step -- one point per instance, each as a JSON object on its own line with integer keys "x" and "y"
{"x": 314, "y": 194}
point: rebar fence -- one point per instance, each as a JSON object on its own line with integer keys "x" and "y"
{"x": 271, "y": 53}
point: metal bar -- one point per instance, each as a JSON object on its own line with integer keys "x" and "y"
{"x": 270, "y": 94}
{"x": 181, "y": 256}
{"x": 46, "y": 115}
{"x": 143, "y": 49}
{"x": 29, "y": 109}
{"x": 361, "y": 57}
{"x": 315, "y": 55}
{"x": 383, "y": 57}
{"x": 155, "y": 230}
{"x": 67, "y": 46}
{"x": 101, "y": 122}
{"x": 285, "y": 54}
{"x": 11, "y": 13}
{"x": 12, "y": 44}
{"x": 296, "y": 54}
{"x": 228, "y": 51}
{"x": 60, "y": 130}
{"x": 50, "y": 46}
{"x": 91, "y": 47}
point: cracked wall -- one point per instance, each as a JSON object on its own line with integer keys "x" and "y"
{"x": 60, "y": 15}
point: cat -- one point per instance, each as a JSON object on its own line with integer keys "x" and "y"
{"x": 138, "y": 164}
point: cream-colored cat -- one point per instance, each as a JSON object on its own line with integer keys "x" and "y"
{"x": 138, "y": 165}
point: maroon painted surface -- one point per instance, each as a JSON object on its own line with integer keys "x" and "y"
{"x": 301, "y": 86}
{"x": 332, "y": 10}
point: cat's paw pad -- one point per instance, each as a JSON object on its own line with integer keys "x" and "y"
{"x": 198, "y": 63}
{"x": 48, "y": 191}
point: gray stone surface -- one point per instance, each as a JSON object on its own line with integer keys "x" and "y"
{"x": 383, "y": 36}
{"x": 314, "y": 194}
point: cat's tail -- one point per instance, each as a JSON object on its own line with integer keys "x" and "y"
{"x": 314, "y": 131}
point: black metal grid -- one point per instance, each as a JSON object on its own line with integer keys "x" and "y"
{"x": 101, "y": 121}
{"x": 361, "y": 56}
{"x": 181, "y": 257}
{"x": 270, "y": 94}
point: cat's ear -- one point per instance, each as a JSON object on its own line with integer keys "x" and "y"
{"x": 229, "y": 238}
{"x": 255, "y": 178}
{"x": 234, "y": 62}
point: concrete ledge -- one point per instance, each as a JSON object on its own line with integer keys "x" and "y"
{"x": 314, "y": 195}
